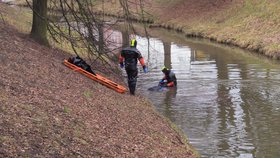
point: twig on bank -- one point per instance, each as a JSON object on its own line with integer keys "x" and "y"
{"x": 2, "y": 18}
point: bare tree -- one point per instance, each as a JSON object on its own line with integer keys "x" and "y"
{"x": 75, "y": 22}
{"x": 39, "y": 23}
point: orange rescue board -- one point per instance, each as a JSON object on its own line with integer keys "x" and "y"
{"x": 100, "y": 79}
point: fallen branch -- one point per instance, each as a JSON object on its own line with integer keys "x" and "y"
{"x": 2, "y": 18}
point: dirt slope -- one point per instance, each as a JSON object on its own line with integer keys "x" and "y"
{"x": 47, "y": 110}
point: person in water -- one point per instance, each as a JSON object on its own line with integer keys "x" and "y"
{"x": 129, "y": 58}
{"x": 169, "y": 79}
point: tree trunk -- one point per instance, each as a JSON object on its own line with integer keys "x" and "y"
{"x": 39, "y": 24}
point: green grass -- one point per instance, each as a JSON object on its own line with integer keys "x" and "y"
{"x": 253, "y": 23}
{"x": 88, "y": 94}
{"x": 21, "y": 18}
{"x": 66, "y": 109}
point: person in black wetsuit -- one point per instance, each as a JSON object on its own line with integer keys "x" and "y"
{"x": 129, "y": 58}
{"x": 78, "y": 61}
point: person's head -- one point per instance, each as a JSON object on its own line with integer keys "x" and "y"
{"x": 133, "y": 43}
{"x": 164, "y": 70}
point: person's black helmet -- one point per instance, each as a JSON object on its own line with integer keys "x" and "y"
{"x": 133, "y": 43}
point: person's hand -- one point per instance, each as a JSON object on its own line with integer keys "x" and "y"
{"x": 121, "y": 65}
{"x": 145, "y": 69}
{"x": 161, "y": 83}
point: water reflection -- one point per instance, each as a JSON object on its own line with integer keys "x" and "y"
{"x": 167, "y": 54}
{"x": 227, "y": 101}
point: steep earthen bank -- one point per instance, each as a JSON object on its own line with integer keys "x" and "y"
{"x": 47, "y": 110}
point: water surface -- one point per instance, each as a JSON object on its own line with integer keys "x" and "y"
{"x": 227, "y": 100}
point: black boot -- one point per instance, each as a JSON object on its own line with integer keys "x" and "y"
{"x": 132, "y": 87}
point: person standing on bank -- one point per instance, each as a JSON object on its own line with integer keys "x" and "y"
{"x": 129, "y": 58}
{"x": 170, "y": 78}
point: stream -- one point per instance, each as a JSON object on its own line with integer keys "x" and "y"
{"x": 227, "y": 100}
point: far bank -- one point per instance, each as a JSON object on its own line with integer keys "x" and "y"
{"x": 248, "y": 24}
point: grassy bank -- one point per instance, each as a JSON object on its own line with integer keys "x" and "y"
{"x": 47, "y": 110}
{"x": 252, "y": 25}
{"x": 249, "y": 24}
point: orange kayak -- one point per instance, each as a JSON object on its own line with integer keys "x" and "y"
{"x": 100, "y": 79}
